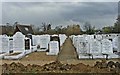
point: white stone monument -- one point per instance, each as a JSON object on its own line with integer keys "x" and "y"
{"x": 115, "y": 44}
{"x": 53, "y": 48}
{"x": 44, "y": 40}
{"x": 107, "y": 46}
{"x": 96, "y": 49}
{"x": 119, "y": 44}
{"x": 4, "y": 41}
{"x": 18, "y": 42}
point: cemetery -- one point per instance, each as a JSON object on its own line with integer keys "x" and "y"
{"x": 57, "y": 50}
{"x": 86, "y": 46}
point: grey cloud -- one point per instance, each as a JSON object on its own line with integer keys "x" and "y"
{"x": 60, "y": 13}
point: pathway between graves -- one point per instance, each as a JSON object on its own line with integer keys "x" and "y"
{"x": 68, "y": 51}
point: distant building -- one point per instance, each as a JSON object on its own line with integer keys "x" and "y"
{"x": 24, "y": 29}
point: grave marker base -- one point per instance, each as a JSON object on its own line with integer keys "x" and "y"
{"x": 15, "y": 57}
{"x": 48, "y": 53}
{"x": 84, "y": 56}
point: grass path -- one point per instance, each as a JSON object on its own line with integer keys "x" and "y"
{"x": 68, "y": 51}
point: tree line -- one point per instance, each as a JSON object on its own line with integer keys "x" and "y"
{"x": 74, "y": 29}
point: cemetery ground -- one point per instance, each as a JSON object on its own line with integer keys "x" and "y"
{"x": 65, "y": 61}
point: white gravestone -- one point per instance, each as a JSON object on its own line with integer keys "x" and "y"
{"x": 4, "y": 47}
{"x": 95, "y": 47}
{"x": 62, "y": 38}
{"x": 75, "y": 41}
{"x": 119, "y": 44}
{"x": 107, "y": 46}
{"x": 34, "y": 40}
{"x": 38, "y": 39}
{"x": 44, "y": 40}
{"x": 18, "y": 42}
{"x": 115, "y": 44}
{"x": 53, "y": 48}
{"x": 83, "y": 46}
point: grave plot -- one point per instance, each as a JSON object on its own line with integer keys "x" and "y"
{"x": 83, "y": 48}
{"x": 18, "y": 47}
{"x": 107, "y": 49}
{"x": 83, "y": 51}
{"x": 4, "y": 46}
{"x": 44, "y": 40}
{"x": 95, "y": 49}
{"x": 53, "y": 48}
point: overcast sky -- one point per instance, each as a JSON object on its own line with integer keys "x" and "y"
{"x": 99, "y": 14}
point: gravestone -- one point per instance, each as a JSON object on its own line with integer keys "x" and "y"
{"x": 38, "y": 39}
{"x": 44, "y": 40}
{"x": 95, "y": 47}
{"x": 4, "y": 47}
{"x": 62, "y": 38}
{"x": 75, "y": 40}
{"x": 115, "y": 44}
{"x": 34, "y": 38}
{"x": 107, "y": 46}
{"x": 119, "y": 44}
{"x": 53, "y": 48}
{"x": 18, "y": 42}
{"x": 83, "y": 46}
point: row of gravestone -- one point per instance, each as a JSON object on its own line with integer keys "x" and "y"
{"x": 17, "y": 43}
{"x": 20, "y": 43}
{"x": 45, "y": 43}
{"x": 90, "y": 44}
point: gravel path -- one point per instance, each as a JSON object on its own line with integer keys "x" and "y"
{"x": 68, "y": 51}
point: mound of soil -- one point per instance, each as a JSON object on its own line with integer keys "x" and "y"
{"x": 58, "y": 67}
